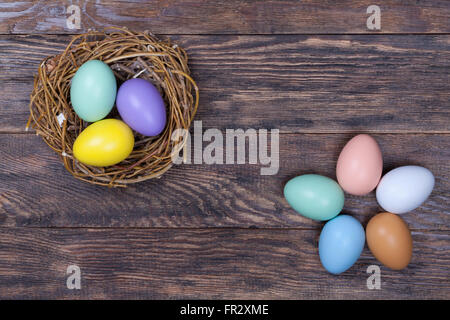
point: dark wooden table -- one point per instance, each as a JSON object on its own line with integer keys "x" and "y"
{"x": 311, "y": 69}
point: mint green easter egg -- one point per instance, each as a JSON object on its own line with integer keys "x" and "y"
{"x": 93, "y": 90}
{"x": 314, "y": 196}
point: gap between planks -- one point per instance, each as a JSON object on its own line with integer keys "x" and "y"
{"x": 423, "y": 230}
{"x": 31, "y": 132}
{"x": 245, "y": 34}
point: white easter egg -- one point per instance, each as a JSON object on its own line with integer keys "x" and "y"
{"x": 404, "y": 189}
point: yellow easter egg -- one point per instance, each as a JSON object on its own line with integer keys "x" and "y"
{"x": 104, "y": 143}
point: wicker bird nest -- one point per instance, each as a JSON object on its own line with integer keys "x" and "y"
{"x": 130, "y": 55}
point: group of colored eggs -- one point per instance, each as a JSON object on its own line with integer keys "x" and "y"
{"x": 93, "y": 93}
{"x": 358, "y": 170}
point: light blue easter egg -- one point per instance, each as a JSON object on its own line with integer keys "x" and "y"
{"x": 93, "y": 90}
{"x": 341, "y": 243}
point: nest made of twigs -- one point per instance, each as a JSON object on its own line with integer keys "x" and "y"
{"x": 130, "y": 55}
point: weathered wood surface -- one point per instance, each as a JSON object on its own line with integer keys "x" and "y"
{"x": 309, "y": 68}
{"x": 36, "y": 190}
{"x": 223, "y": 17}
{"x": 293, "y": 83}
{"x": 213, "y": 264}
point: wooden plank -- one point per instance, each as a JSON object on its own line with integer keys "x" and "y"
{"x": 218, "y": 17}
{"x": 36, "y": 190}
{"x": 205, "y": 264}
{"x": 293, "y": 83}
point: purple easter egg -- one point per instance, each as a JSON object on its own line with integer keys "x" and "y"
{"x": 141, "y": 107}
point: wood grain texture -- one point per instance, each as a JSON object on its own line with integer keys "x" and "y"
{"x": 36, "y": 190}
{"x": 205, "y": 264}
{"x": 219, "y": 17}
{"x": 309, "y": 68}
{"x": 304, "y": 84}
